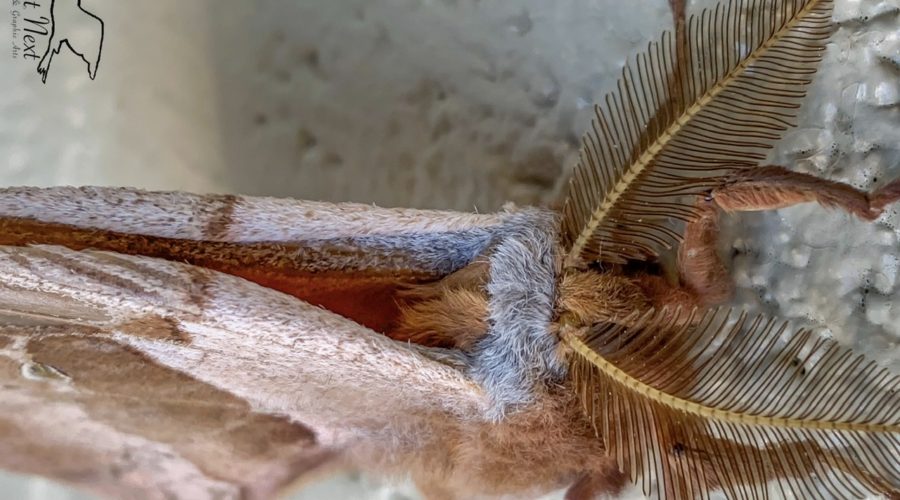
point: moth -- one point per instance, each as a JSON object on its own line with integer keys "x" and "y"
{"x": 166, "y": 344}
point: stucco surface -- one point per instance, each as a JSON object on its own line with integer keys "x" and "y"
{"x": 461, "y": 104}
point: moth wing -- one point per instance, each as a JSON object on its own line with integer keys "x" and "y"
{"x": 133, "y": 376}
{"x": 352, "y": 259}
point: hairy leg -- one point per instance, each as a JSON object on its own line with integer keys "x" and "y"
{"x": 608, "y": 482}
{"x": 764, "y": 188}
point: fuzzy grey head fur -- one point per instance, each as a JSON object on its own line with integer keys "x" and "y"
{"x": 519, "y": 355}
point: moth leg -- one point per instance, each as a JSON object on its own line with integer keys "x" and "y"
{"x": 700, "y": 269}
{"x": 661, "y": 293}
{"x": 610, "y": 481}
{"x": 762, "y": 188}
{"x": 772, "y": 187}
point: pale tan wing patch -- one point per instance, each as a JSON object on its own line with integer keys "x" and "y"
{"x": 132, "y": 376}
{"x": 83, "y": 408}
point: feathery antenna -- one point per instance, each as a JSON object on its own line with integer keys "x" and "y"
{"x": 690, "y": 404}
{"x": 683, "y": 117}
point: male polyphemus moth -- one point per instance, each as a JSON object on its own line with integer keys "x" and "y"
{"x": 159, "y": 344}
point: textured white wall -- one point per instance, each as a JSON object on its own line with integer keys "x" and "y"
{"x": 450, "y": 104}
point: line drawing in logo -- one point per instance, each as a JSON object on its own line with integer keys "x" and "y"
{"x": 77, "y": 28}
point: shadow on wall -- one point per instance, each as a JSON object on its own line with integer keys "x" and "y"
{"x": 449, "y": 104}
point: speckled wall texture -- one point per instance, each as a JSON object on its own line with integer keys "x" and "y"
{"x": 459, "y": 104}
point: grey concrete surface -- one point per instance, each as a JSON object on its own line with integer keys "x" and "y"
{"x": 459, "y": 104}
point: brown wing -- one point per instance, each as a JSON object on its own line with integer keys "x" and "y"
{"x": 137, "y": 377}
{"x": 349, "y": 258}
{"x": 82, "y": 408}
